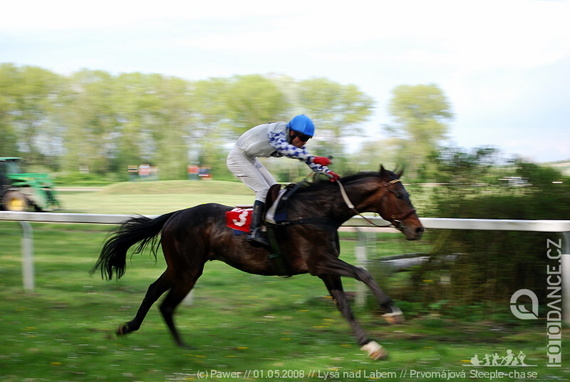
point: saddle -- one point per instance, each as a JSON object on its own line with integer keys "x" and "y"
{"x": 239, "y": 218}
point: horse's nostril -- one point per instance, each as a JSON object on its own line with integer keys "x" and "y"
{"x": 420, "y": 230}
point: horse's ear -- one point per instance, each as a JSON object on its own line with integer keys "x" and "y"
{"x": 400, "y": 172}
{"x": 382, "y": 170}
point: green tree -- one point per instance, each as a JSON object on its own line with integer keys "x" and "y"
{"x": 113, "y": 122}
{"x": 27, "y": 96}
{"x": 9, "y": 140}
{"x": 135, "y": 104}
{"x": 145, "y": 105}
{"x": 338, "y": 111}
{"x": 210, "y": 124}
{"x": 91, "y": 122}
{"x": 460, "y": 175}
{"x": 252, "y": 100}
{"x": 174, "y": 123}
{"x": 369, "y": 156}
{"x": 420, "y": 113}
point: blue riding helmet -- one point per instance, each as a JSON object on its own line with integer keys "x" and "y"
{"x": 302, "y": 124}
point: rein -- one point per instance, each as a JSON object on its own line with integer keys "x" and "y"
{"x": 397, "y": 219}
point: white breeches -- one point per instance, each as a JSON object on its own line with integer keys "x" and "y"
{"x": 251, "y": 172}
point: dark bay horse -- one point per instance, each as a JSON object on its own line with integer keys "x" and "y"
{"x": 191, "y": 237}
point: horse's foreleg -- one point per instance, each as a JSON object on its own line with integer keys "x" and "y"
{"x": 334, "y": 285}
{"x": 155, "y": 290}
{"x": 392, "y": 314}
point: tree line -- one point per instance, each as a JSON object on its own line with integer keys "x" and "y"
{"x": 102, "y": 123}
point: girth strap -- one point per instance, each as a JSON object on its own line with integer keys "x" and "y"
{"x": 276, "y": 256}
{"x": 315, "y": 220}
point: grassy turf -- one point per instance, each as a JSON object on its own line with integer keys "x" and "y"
{"x": 260, "y": 328}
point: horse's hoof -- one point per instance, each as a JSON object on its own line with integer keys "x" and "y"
{"x": 394, "y": 318}
{"x": 375, "y": 350}
{"x": 122, "y": 330}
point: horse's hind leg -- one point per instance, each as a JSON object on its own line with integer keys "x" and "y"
{"x": 177, "y": 293}
{"x": 334, "y": 285}
{"x": 155, "y": 290}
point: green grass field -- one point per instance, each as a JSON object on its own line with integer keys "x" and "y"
{"x": 243, "y": 327}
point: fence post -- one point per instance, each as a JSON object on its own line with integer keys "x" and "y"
{"x": 189, "y": 299}
{"x": 27, "y": 256}
{"x": 361, "y": 259}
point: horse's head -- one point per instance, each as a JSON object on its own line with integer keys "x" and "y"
{"x": 395, "y": 205}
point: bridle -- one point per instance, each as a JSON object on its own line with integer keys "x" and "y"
{"x": 397, "y": 220}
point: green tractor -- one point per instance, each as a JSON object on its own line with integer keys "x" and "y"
{"x": 20, "y": 191}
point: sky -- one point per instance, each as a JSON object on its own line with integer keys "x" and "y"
{"x": 504, "y": 65}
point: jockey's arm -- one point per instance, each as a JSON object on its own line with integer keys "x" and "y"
{"x": 279, "y": 141}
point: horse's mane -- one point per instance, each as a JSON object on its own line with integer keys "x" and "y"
{"x": 323, "y": 183}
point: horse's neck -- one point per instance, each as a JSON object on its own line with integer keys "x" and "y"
{"x": 361, "y": 195}
{"x": 330, "y": 202}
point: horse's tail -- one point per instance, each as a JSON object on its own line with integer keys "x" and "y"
{"x": 113, "y": 257}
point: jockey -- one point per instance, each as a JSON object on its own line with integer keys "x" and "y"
{"x": 277, "y": 140}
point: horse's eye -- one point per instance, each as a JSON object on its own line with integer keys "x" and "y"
{"x": 399, "y": 195}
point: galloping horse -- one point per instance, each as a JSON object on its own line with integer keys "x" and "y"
{"x": 309, "y": 244}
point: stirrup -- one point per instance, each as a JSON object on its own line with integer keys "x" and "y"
{"x": 258, "y": 237}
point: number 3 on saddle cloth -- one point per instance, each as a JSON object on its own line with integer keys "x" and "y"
{"x": 239, "y": 219}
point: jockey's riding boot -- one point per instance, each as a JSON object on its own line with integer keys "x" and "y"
{"x": 257, "y": 236}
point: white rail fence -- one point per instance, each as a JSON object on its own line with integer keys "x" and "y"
{"x": 548, "y": 226}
